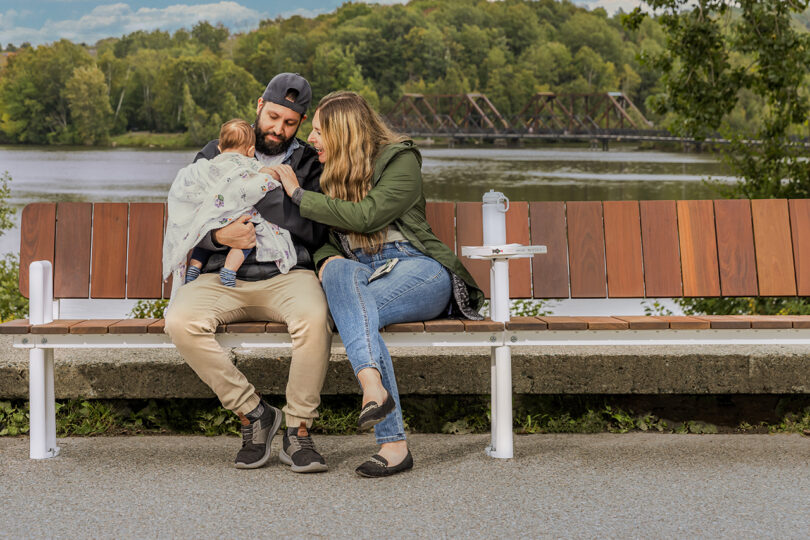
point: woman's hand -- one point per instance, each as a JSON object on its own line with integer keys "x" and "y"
{"x": 284, "y": 174}
{"x": 320, "y": 272}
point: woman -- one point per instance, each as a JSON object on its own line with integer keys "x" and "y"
{"x": 382, "y": 264}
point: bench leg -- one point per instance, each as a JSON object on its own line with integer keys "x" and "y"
{"x": 502, "y": 436}
{"x": 42, "y": 406}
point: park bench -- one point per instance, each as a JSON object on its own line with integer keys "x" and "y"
{"x": 611, "y": 249}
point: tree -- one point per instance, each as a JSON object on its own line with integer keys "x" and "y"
{"x": 713, "y": 57}
{"x": 209, "y": 35}
{"x": 91, "y": 114}
{"x": 33, "y": 107}
{"x": 719, "y": 53}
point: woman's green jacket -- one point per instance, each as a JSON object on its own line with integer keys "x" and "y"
{"x": 396, "y": 197}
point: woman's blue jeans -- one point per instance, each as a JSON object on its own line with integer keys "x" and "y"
{"x": 418, "y": 288}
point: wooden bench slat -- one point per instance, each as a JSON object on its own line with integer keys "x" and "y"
{"x": 644, "y": 322}
{"x": 800, "y": 321}
{"x": 727, "y": 322}
{"x": 444, "y": 325}
{"x": 167, "y": 285}
{"x": 549, "y": 270}
{"x": 132, "y": 326}
{"x": 275, "y": 328}
{"x": 470, "y": 233}
{"x": 586, "y": 249}
{"x": 698, "y": 247}
{"x": 526, "y": 323}
{"x": 517, "y": 232}
{"x": 18, "y": 326}
{"x": 441, "y": 217}
{"x": 685, "y": 322}
{"x": 605, "y": 323}
{"x": 405, "y": 327}
{"x": 71, "y": 277}
{"x": 486, "y": 325}
{"x": 559, "y": 322}
{"x": 93, "y": 326}
{"x": 659, "y": 240}
{"x": 109, "y": 250}
{"x": 248, "y": 327}
{"x": 735, "y": 247}
{"x": 625, "y": 275}
{"x": 774, "y": 250}
{"x": 61, "y": 326}
{"x": 145, "y": 260}
{"x": 800, "y": 232}
{"x": 771, "y": 321}
{"x": 157, "y": 327}
{"x": 37, "y": 233}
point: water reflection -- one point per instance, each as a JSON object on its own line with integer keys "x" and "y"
{"x": 450, "y": 174}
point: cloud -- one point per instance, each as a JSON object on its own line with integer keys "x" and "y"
{"x": 118, "y": 19}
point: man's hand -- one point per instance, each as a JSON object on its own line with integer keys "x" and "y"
{"x": 239, "y": 234}
{"x": 320, "y": 272}
{"x": 284, "y": 174}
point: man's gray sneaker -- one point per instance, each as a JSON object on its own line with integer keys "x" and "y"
{"x": 256, "y": 437}
{"x": 298, "y": 451}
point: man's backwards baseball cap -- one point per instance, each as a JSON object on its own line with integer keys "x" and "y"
{"x": 284, "y": 83}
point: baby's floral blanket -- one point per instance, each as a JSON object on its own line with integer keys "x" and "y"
{"x": 210, "y": 194}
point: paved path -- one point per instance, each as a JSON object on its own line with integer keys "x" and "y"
{"x": 636, "y": 485}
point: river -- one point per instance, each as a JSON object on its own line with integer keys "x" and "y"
{"x": 450, "y": 174}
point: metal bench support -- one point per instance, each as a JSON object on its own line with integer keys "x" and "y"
{"x": 498, "y": 252}
{"x": 42, "y": 402}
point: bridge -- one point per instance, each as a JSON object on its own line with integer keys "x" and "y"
{"x": 598, "y": 118}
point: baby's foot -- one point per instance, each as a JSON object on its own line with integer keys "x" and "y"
{"x": 192, "y": 273}
{"x": 228, "y": 277}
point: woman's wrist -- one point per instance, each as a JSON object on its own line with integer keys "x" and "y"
{"x": 297, "y": 195}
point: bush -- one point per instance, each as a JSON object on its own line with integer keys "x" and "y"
{"x": 149, "y": 309}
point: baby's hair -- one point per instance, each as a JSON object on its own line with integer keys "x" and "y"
{"x": 236, "y": 134}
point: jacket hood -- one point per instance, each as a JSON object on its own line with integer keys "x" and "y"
{"x": 389, "y": 152}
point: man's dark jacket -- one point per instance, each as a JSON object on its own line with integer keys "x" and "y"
{"x": 276, "y": 207}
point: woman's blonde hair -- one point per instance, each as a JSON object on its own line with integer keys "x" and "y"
{"x": 352, "y": 134}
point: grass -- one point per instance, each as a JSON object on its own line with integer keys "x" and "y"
{"x": 422, "y": 414}
{"x": 146, "y": 139}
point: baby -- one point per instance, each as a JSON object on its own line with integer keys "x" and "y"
{"x": 209, "y": 194}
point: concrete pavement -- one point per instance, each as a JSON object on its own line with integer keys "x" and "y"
{"x": 558, "y": 486}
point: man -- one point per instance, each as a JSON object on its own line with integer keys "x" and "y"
{"x": 264, "y": 293}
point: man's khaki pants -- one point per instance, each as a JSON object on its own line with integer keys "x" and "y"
{"x": 295, "y": 298}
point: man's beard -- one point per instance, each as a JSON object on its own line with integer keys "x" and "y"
{"x": 271, "y": 148}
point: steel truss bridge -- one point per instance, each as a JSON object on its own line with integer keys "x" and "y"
{"x": 598, "y": 118}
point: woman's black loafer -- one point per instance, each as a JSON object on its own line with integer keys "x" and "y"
{"x": 373, "y": 413}
{"x": 377, "y": 466}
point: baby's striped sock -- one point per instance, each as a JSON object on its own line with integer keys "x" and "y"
{"x": 228, "y": 277}
{"x": 192, "y": 273}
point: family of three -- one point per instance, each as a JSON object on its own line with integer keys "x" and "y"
{"x": 291, "y": 232}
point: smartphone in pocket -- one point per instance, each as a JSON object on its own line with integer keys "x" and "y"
{"x": 384, "y": 269}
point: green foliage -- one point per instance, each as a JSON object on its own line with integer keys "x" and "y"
{"x": 90, "y": 111}
{"x": 33, "y": 104}
{"x": 149, "y": 309}
{"x": 13, "y": 305}
{"x": 509, "y": 50}
{"x": 13, "y": 419}
{"x": 522, "y": 308}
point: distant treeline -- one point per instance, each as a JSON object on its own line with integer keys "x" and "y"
{"x": 193, "y": 80}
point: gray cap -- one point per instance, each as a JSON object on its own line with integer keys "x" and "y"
{"x": 281, "y": 85}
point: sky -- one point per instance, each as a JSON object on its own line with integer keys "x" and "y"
{"x": 87, "y": 21}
